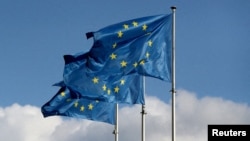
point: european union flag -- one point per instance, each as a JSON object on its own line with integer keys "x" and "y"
{"x": 141, "y": 45}
{"x": 101, "y": 85}
{"x": 64, "y": 103}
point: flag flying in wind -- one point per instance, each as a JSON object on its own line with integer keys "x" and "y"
{"x": 141, "y": 45}
{"x": 66, "y": 103}
{"x": 98, "y": 85}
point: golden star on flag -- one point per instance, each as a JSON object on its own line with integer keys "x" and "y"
{"x": 113, "y": 56}
{"x": 116, "y": 89}
{"x": 135, "y": 24}
{"x": 90, "y": 106}
{"x": 104, "y": 87}
{"x": 142, "y": 62}
{"x": 144, "y": 27}
{"x": 120, "y": 33}
{"x": 122, "y": 82}
{"x": 76, "y": 104}
{"x": 114, "y": 45}
{"x": 108, "y": 91}
{"x": 135, "y": 64}
{"x": 95, "y": 80}
{"x": 82, "y": 108}
{"x": 125, "y": 26}
{"x": 123, "y": 63}
{"x": 150, "y": 43}
{"x": 147, "y": 55}
{"x": 62, "y": 94}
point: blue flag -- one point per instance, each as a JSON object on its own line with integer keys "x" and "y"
{"x": 141, "y": 45}
{"x": 101, "y": 85}
{"x": 66, "y": 103}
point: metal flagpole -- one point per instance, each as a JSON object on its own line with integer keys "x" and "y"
{"x": 143, "y": 112}
{"x": 173, "y": 74}
{"x": 116, "y": 123}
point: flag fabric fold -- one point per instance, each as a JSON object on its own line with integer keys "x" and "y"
{"x": 96, "y": 84}
{"x": 64, "y": 103}
{"x": 141, "y": 45}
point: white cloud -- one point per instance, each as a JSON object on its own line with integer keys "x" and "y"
{"x": 26, "y": 123}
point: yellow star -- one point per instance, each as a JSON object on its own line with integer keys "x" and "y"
{"x": 113, "y": 56}
{"x": 135, "y": 24}
{"x": 120, "y": 34}
{"x": 123, "y": 63}
{"x": 144, "y": 27}
{"x": 109, "y": 91}
{"x": 116, "y": 89}
{"x": 91, "y": 106}
{"x": 104, "y": 87}
{"x": 150, "y": 43}
{"x": 95, "y": 80}
{"x": 142, "y": 62}
{"x": 125, "y": 26}
{"x": 122, "y": 82}
{"x": 82, "y": 108}
{"x": 114, "y": 45}
{"x": 62, "y": 94}
{"x": 135, "y": 64}
{"x": 76, "y": 104}
{"x": 147, "y": 55}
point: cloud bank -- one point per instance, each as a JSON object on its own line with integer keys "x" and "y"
{"x": 26, "y": 123}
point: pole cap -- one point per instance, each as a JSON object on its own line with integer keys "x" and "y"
{"x": 173, "y": 7}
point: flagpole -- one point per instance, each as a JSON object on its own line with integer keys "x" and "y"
{"x": 173, "y": 74}
{"x": 116, "y": 123}
{"x": 143, "y": 112}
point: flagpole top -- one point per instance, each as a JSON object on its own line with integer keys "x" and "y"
{"x": 173, "y": 7}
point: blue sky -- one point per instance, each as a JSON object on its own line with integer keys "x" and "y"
{"x": 212, "y": 46}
